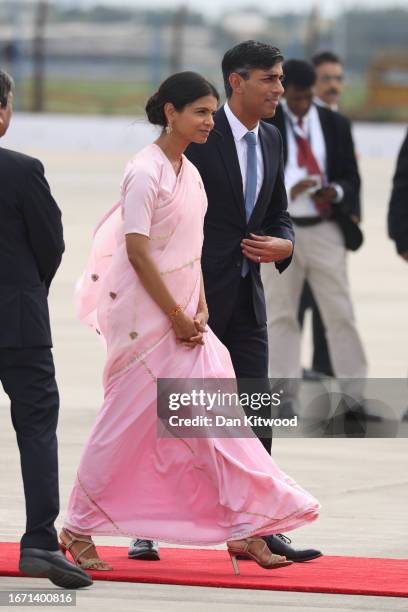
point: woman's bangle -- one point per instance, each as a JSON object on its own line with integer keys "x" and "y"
{"x": 174, "y": 312}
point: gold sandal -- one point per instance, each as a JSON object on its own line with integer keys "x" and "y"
{"x": 242, "y": 547}
{"x": 95, "y": 563}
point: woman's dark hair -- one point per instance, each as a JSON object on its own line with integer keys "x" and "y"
{"x": 299, "y": 73}
{"x": 246, "y": 56}
{"x": 6, "y": 85}
{"x": 180, "y": 89}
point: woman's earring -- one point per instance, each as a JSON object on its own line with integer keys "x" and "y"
{"x": 168, "y": 129}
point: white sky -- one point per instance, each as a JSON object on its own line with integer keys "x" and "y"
{"x": 213, "y": 8}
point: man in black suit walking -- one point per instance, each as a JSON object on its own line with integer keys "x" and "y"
{"x": 323, "y": 186}
{"x": 246, "y": 222}
{"x": 31, "y": 247}
{"x": 398, "y": 207}
{"x": 328, "y": 89}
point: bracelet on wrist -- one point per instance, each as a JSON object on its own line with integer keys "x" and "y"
{"x": 174, "y": 312}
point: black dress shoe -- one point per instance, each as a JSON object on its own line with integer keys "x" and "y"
{"x": 144, "y": 550}
{"x": 359, "y": 413}
{"x": 52, "y": 564}
{"x": 279, "y": 544}
{"x": 286, "y": 410}
{"x": 313, "y": 375}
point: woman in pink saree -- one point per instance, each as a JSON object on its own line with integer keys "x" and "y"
{"x": 142, "y": 291}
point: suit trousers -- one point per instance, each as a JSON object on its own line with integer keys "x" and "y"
{"x": 28, "y": 378}
{"x": 320, "y": 258}
{"x": 247, "y": 342}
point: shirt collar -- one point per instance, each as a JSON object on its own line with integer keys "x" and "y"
{"x": 238, "y": 129}
{"x": 293, "y": 118}
{"x": 324, "y": 104}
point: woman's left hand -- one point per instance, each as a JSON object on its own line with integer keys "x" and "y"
{"x": 200, "y": 321}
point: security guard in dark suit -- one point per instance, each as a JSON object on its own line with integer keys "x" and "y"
{"x": 31, "y": 247}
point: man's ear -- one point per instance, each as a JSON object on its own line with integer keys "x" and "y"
{"x": 235, "y": 80}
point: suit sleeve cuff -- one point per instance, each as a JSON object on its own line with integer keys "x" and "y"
{"x": 339, "y": 192}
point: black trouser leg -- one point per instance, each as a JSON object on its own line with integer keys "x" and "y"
{"x": 306, "y": 301}
{"x": 321, "y": 357}
{"x": 28, "y": 378}
{"x": 247, "y": 342}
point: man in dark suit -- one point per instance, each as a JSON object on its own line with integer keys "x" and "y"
{"x": 323, "y": 186}
{"x": 328, "y": 89}
{"x": 246, "y": 222}
{"x": 31, "y": 247}
{"x": 398, "y": 207}
{"x": 239, "y": 235}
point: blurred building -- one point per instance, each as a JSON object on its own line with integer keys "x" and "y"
{"x": 111, "y": 45}
{"x": 80, "y": 48}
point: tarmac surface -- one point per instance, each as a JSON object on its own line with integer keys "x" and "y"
{"x": 362, "y": 484}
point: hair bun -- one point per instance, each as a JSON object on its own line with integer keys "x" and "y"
{"x": 155, "y": 110}
{"x": 179, "y": 89}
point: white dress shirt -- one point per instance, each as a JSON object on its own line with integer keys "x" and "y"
{"x": 323, "y": 104}
{"x": 238, "y": 131}
{"x": 302, "y": 205}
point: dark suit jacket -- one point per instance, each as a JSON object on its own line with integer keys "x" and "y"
{"x": 31, "y": 247}
{"x": 225, "y": 222}
{"x": 341, "y": 160}
{"x": 398, "y": 209}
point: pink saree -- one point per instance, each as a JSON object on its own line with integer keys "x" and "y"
{"x": 129, "y": 482}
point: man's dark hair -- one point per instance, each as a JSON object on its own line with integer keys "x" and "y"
{"x": 246, "y": 56}
{"x": 299, "y": 73}
{"x": 6, "y": 85}
{"x": 325, "y": 57}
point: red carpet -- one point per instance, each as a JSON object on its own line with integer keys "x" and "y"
{"x": 212, "y": 568}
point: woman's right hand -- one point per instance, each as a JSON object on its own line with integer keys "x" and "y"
{"x": 186, "y": 330}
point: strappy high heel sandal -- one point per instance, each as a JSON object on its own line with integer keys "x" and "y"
{"x": 68, "y": 539}
{"x": 256, "y": 549}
